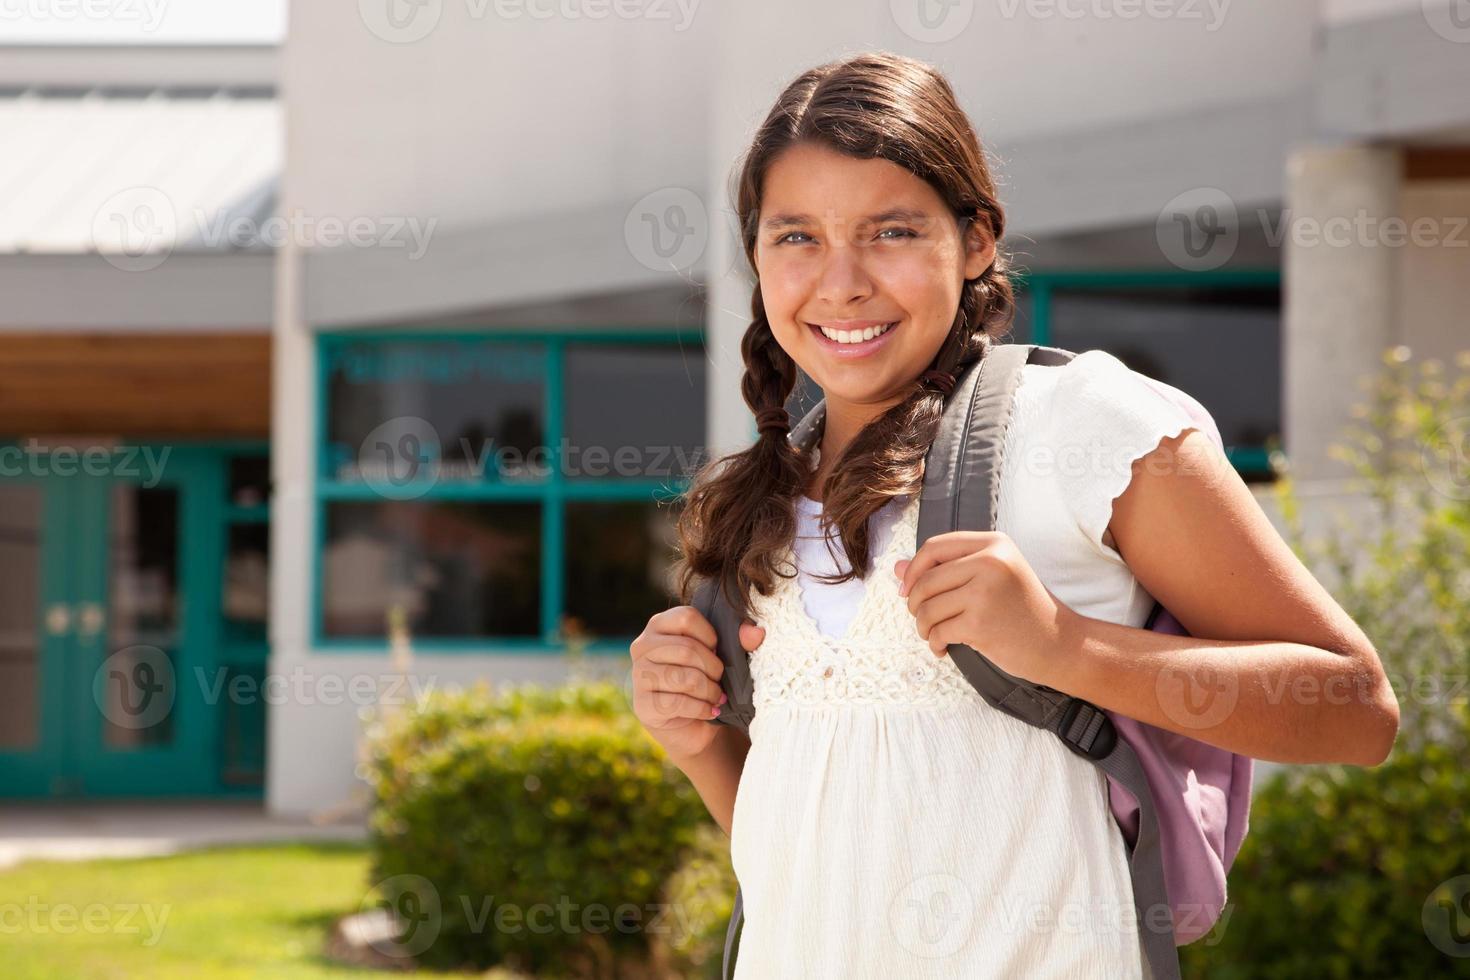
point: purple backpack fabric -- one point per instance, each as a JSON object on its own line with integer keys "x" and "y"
{"x": 1202, "y": 793}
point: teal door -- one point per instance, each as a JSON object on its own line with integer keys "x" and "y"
{"x": 106, "y": 656}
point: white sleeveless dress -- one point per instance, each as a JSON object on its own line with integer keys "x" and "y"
{"x": 888, "y": 822}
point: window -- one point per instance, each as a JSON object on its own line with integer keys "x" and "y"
{"x": 510, "y": 489}
{"x": 1216, "y": 335}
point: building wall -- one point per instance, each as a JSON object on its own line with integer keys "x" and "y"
{"x": 481, "y": 124}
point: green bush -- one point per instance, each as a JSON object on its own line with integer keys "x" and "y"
{"x": 534, "y": 828}
{"x": 702, "y": 891}
{"x": 1404, "y": 573}
{"x": 1334, "y": 875}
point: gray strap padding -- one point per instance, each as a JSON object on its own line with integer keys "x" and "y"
{"x": 739, "y": 710}
{"x": 737, "y": 915}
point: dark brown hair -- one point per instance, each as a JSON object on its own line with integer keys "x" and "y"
{"x": 739, "y": 512}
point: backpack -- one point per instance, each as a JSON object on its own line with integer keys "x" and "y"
{"x": 1182, "y": 805}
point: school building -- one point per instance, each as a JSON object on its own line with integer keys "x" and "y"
{"x": 290, "y": 329}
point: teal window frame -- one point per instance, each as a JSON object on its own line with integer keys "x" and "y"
{"x": 553, "y": 493}
{"x": 1041, "y": 286}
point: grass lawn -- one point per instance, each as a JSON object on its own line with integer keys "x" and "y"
{"x": 228, "y": 912}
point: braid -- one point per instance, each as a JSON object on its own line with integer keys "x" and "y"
{"x": 770, "y": 373}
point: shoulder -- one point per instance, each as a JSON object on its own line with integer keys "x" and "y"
{"x": 1095, "y": 396}
{"x": 1093, "y": 418}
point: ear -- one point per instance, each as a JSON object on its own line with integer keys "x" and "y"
{"x": 979, "y": 249}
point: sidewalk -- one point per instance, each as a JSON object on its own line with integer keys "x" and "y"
{"x": 78, "y": 831}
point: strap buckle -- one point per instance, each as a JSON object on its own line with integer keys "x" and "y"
{"x": 1087, "y": 730}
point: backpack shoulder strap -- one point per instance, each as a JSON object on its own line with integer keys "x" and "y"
{"x": 739, "y": 708}
{"x": 961, "y": 487}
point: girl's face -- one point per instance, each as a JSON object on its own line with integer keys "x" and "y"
{"x": 873, "y": 254}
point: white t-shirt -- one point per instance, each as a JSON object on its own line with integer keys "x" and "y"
{"x": 833, "y": 606}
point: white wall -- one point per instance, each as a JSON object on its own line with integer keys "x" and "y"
{"x": 1434, "y": 288}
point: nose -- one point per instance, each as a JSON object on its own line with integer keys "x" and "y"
{"x": 843, "y": 278}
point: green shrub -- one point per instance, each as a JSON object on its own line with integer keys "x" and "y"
{"x": 1404, "y": 573}
{"x": 1334, "y": 875}
{"x": 534, "y": 827}
{"x": 702, "y": 892}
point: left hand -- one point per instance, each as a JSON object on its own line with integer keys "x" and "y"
{"x": 976, "y": 588}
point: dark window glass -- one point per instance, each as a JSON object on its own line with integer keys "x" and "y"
{"x": 464, "y": 408}
{"x": 618, "y": 564}
{"x": 633, "y": 411}
{"x": 455, "y": 569}
{"x": 245, "y": 593}
{"x": 143, "y": 619}
{"x": 250, "y": 480}
{"x": 1223, "y": 346}
{"x": 21, "y": 526}
{"x": 243, "y": 727}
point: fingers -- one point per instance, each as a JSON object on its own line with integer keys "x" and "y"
{"x": 685, "y": 621}
{"x": 668, "y": 705}
{"x": 935, "y": 613}
{"x": 940, "y": 548}
{"x": 681, "y": 651}
{"x": 665, "y": 685}
{"x": 940, "y": 579}
{"x": 676, "y": 671}
{"x": 751, "y": 635}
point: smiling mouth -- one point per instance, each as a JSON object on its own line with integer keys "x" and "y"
{"x": 852, "y": 340}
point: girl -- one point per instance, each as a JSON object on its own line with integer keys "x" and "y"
{"x": 884, "y": 820}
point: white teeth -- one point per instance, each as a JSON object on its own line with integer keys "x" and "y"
{"x": 853, "y": 336}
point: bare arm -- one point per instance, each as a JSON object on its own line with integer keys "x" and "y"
{"x": 715, "y": 773}
{"x": 1285, "y": 675}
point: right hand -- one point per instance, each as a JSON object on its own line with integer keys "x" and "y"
{"x": 676, "y": 678}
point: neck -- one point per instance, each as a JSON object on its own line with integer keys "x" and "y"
{"x": 843, "y": 421}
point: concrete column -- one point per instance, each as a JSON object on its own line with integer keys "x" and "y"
{"x": 1340, "y": 301}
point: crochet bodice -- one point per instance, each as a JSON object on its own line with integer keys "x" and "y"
{"x": 881, "y": 659}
